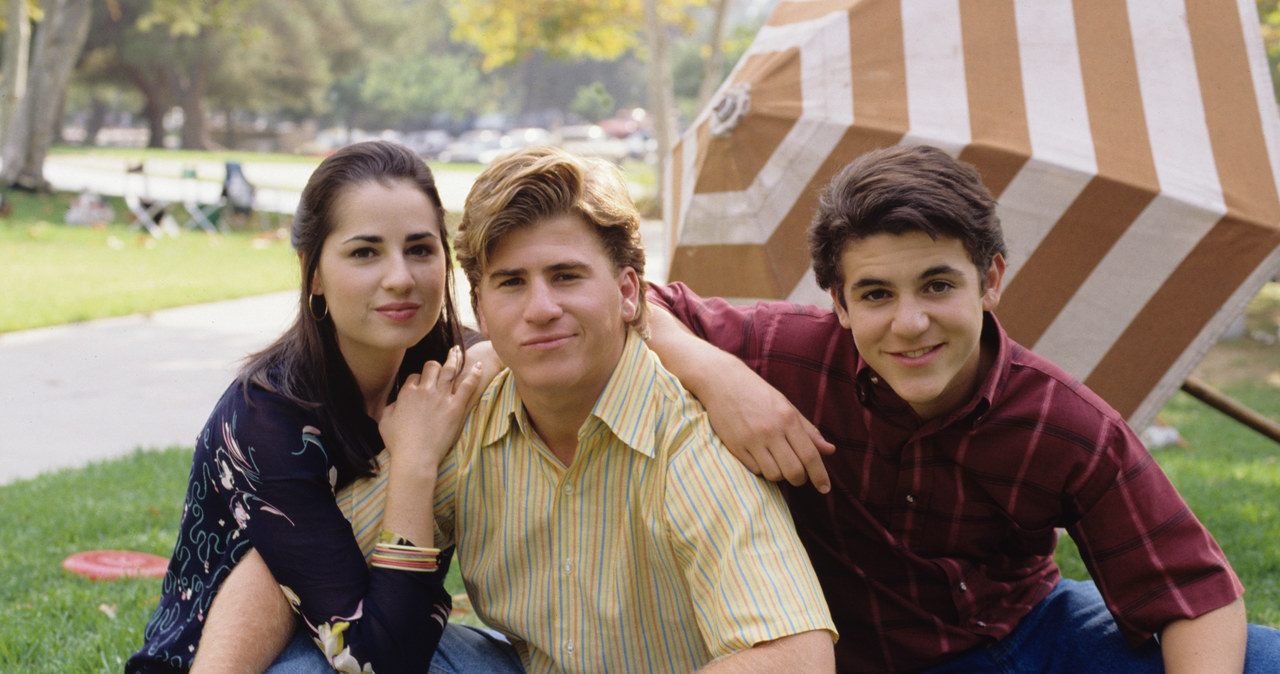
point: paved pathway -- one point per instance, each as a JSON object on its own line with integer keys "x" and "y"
{"x": 90, "y": 391}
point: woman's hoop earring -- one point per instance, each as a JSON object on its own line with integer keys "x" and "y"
{"x": 311, "y": 306}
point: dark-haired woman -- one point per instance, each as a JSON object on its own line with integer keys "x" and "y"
{"x": 335, "y": 400}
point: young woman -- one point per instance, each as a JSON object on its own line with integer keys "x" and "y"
{"x": 334, "y": 400}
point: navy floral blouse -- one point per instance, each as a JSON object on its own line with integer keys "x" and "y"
{"x": 261, "y": 478}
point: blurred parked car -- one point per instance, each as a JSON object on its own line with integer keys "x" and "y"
{"x": 642, "y": 145}
{"x": 428, "y": 143}
{"x": 589, "y": 140}
{"x": 484, "y": 145}
{"x": 477, "y": 145}
{"x": 526, "y": 136}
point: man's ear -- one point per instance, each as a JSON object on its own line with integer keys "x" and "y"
{"x": 484, "y": 329}
{"x": 995, "y": 276}
{"x": 841, "y": 312}
{"x": 629, "y": 286}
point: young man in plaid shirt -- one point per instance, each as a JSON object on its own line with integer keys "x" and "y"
{"x": 955, "y": 454}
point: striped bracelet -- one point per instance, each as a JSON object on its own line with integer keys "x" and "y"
{"x": 403, "y": 557}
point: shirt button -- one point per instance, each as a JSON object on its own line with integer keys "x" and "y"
{"x": 568, "y": 646}
{"x": 911, "y": 498}
{"x": 568, "y": 566}
{"x": 875, "y": 380}
{"x": 963, "y": 587}
{"x": 981, "y": 624}
{"x": 568, "y": 490}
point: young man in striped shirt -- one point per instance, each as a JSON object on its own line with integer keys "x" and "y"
{"x": 599, "y": 522}
{"x": 957, "y": 453}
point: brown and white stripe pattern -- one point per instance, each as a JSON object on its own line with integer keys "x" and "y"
{"x": 1132, "y": 145}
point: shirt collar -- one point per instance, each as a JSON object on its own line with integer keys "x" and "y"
{"x": 625, "y": 406}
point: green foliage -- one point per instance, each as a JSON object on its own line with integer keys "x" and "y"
{"x": 688, "y": 56}
{"x": 592, "y": 102}
{"x": 419, "y": 85}
{"x": 1269, "y": 15}
{"x": 507, "y": 31}
{"x": 190, "y": 17}
{"x": 54, "y": 273}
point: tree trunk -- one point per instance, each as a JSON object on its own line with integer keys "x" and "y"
{"x": 15, "y": 127}
{"x": 154, "y": 102}
{"x": 194, "y": 129}
{"x": 660, "y": 89}
{"x": 59, "y": 114}
{"x": 97, "y": 119}
{"x": 191, "y": 97}
{"x": 713, "y": 69}
{"x": 230, "y": 138}
{"x": 58, "y": 41}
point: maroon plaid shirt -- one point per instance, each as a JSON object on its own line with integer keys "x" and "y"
{"x": 938, "y": 537}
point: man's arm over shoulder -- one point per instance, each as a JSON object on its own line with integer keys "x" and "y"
{"x": 805, "y": 652}
{"x": 756, "y": 422}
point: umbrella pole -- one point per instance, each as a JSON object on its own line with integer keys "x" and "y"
{"x": 1216, "y": 399}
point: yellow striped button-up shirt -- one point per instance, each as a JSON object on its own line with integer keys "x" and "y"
{"x": 655, "y": 550}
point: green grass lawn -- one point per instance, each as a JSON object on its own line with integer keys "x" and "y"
{"x": 59, "y": 622}
{"x": 55, "y": 621}
{"x": 53, "y": 273}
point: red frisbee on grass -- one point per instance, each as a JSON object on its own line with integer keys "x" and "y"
{"x": 113, "y": 564}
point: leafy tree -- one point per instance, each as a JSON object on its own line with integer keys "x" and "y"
{"x": 697, "y": 73}
{"x": 507, "y": 31}
{"x": 279, "y": 56}
{"x": 118, "y": 54}
{"x": 420, "y": 74}
{"x": 592, "y": 102}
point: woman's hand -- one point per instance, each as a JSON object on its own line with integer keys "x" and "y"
{"x": 422, "y": 424}
{"x": 482, "y": 354}
{"x": 419, "y": 428}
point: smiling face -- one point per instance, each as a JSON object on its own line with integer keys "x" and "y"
{"x": 555, "y": 308}
{"x": 915, "y": 308}
{"x": 381, "y": 271}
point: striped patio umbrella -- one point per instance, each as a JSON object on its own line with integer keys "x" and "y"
{"x": 1132, "y": 145}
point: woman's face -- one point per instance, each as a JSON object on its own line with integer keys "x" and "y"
{"x": 382, "y": 271}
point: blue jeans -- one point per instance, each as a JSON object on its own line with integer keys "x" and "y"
{"x": 1071, "y": 631}
{"x": 462, "y": 649}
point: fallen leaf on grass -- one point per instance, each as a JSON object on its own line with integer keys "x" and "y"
{"x": 109, "y": 609}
